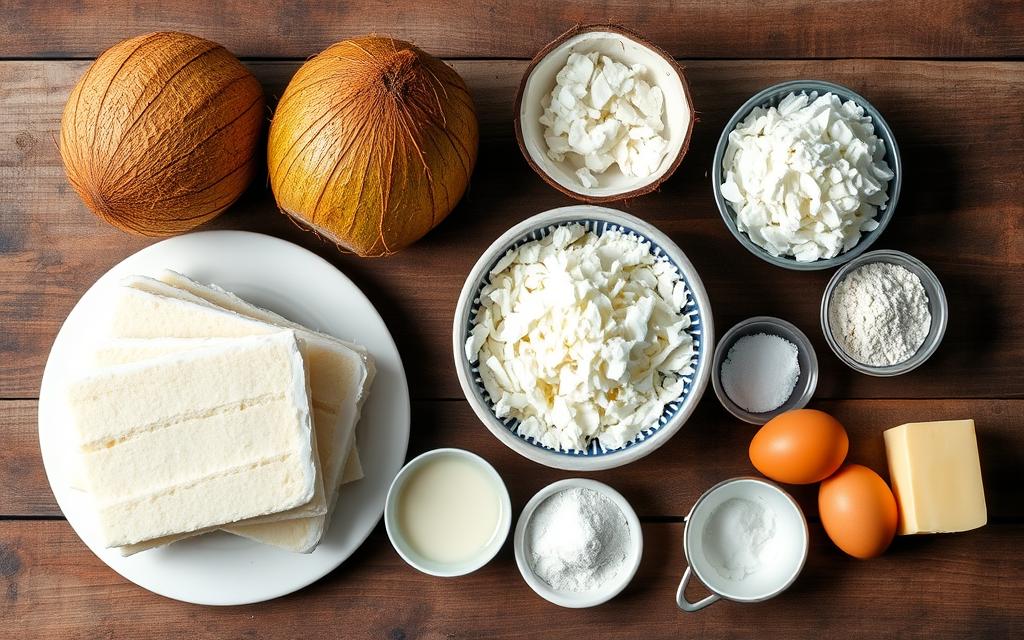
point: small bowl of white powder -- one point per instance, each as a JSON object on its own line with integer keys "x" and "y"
{"x": 746, "y": 539}
{"x": 884, "y": 314}
{"x": 578, "y": 543}
{"x": 806, "y": 174}
{"x": 762, "y": 367}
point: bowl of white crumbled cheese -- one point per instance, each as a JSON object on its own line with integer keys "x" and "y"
{"x": 583, "y": 338}
{"x": 603, "y": 114}
{"x": 807, "y": 174}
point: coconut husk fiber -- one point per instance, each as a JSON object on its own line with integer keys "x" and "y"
{"x": 372, "y": 144}
{"x": 162, "y": 132}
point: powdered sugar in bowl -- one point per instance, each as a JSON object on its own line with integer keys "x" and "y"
{"x": 936, "y": 315}
{"x": 578, "y": 543}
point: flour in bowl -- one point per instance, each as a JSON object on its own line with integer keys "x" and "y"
{"x": 578, "y": 540}
{"x": 879, "y": 314}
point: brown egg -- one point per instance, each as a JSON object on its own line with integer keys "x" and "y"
{"x": 858, "y": 511}
{"x": 799, "y": 447}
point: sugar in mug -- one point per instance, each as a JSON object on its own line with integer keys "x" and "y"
{"x": 782, "y": 564}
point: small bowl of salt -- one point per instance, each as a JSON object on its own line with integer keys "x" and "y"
{"x": 762, "y": 367}
{"x": 578, "y": 543}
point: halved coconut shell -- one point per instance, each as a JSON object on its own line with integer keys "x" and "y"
{"x": 622, "y": 46}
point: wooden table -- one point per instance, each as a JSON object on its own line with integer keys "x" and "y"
{"x": 947, "y": 75}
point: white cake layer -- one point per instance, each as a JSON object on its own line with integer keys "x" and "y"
{"x": 337, "y": 378}
{"x": 228, "y": 300}
{"x": 317, "y": 505}
{"x": 352, "y": 468}
{"x": 304, "y": 535}
{"x": 185, "y": 384}
{"x": 196, "y": 439}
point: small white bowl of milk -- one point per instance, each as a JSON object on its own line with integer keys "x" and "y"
{"x": 447, "y": 512}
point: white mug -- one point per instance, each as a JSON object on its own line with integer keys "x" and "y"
{"x": 785, "y": 560}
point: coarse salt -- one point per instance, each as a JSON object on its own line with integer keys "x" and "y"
{"x": 760, "y": 372}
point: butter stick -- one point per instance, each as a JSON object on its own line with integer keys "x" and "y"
{"x": 936, "y": 476}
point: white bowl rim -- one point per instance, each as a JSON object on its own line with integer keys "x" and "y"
{"x": 620, "y": 457}
{"x": 487, "y": 553}
{"x": 590, "y": 598}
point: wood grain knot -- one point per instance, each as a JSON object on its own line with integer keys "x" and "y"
{"x": 25, "y": 140}
{"x": 10, "y": 562}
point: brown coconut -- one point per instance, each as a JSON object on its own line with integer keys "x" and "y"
{"x": 372, "y": 144}
{"x": 161, "y": 133}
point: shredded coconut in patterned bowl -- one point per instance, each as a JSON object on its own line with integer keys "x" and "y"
{"x": 582, "y": 336}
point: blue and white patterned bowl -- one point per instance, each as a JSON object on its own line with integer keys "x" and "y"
{"x": 598, "y": 220}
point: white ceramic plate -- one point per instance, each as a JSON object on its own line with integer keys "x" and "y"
{"x": 218, "y": 568}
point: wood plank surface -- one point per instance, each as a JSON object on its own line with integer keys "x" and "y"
{"x": 926, "y": 587}
{"x": 468, "y": 29}
{"x": 961, "y": 212}
{"x": 947, "y": 75}
{"x": 711, "y": 446}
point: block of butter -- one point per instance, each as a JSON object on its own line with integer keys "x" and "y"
{"x": 198, "y": 439}
{"x": 149, "y": 308}
{"x": 936, "y": 476}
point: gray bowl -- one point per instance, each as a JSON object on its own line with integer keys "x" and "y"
{"x": 937, "y": 305}
{"x": 771, "y": 97}
{"x": 808, "y": 360}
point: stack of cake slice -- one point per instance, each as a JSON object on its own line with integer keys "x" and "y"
{"x": 206, "y": 412}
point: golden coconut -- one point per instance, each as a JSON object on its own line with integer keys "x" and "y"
{"x": 372, "y": 144}
{"x": 161, "y": 133}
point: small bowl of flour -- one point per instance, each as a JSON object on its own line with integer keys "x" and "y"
{"x": 884, "y": 313}
{"x": 578, "y": 543}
